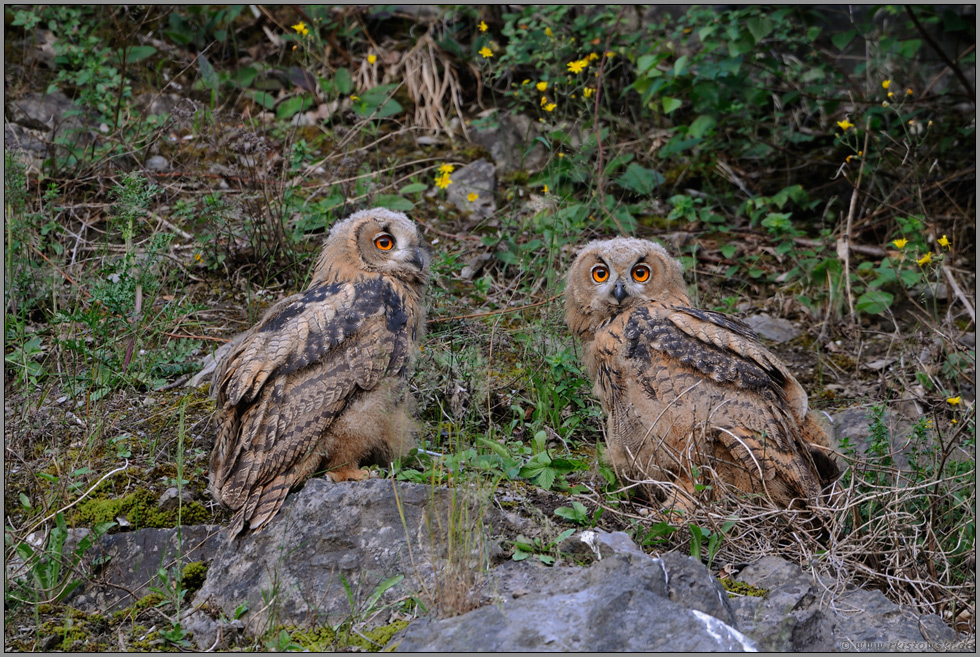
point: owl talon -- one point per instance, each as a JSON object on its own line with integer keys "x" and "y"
{"x": 349, "y": 474}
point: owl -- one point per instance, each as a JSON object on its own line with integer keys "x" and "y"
{"x": 690, "y": 395}
{"x": 320, "y": 382}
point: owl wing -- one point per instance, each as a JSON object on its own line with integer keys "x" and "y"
{"x": 290, "y": 377}
{"x": 727, "y": 353}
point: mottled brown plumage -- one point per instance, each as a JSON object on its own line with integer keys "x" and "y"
{"x": 686, "y": 390}
{"x": 321, "y": 381}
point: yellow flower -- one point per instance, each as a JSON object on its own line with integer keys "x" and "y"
{"x": 908, "y": 92}
{"x": 198, "y": 257}
{"x": 541, "y": 86}
{"x": 845, "y": 124}
{"x": 550, "y": 107}
{"x": 577, "y": 66}
{"x": 953, "y": 401}
{"x": 593, "y": 56}
{"x": 545, "y": 189}
{"x": 588, "y": 91}
{"x": 372, "y": 59}
{"x": 900, "y": 243}
{"x": 924, "y": 260}
{"x": 301, "y": 28}
{"x": 443, "y": 181}
{"x": 472, "y": 196}
{"x": 886, "y": 84}
{"x": 447, "y": 168}
{"x": 356, "y": 99}
{"x": 486, "y": 52}
{"x": 891, "y": 94}
{"x": 610, "y": 54}
{"x": 884, "y": 103}
{"x": 544, "y": 101}
{"x": 483, "y": 26}
{"x": 848, "y": 159}
{"x": 943, "y": 242}
{"x": 560, "y": 155}
{"x": 548, "y": 31}
{"x": 525, "y": 82}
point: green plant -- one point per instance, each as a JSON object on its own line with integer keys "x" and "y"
{"x": 543, "y": 550}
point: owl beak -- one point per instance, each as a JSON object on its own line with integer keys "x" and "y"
{"x": 619, "y": 292}
{"x": 418, "y": 259}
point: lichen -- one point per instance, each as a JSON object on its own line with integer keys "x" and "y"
{"x": 740, "y": 589}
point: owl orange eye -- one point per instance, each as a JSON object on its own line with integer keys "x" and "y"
{"x": 600, "y": 274}
{"x": 384, "y": 242}
{"x": 641, "y": 273}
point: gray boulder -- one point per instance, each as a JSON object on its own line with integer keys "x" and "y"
{"x": 479, "y": 178}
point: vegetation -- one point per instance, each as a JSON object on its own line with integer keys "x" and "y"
{"x": 813, "y": 164}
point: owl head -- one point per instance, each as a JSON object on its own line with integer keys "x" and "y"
{"x": 374, "y": 242}
{"x": 613, "y": 276}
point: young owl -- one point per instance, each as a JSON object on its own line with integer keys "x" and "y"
{"x": 688, "y": 391}
{"x": 321, "y": 381}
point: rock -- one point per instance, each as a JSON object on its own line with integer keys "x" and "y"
{"x": 512, "y": 144}
{"x": 772, "y": 328}
{"x": 157, "y": 163}
{"x": 171, "y": 498}
{"x": 478, "y": 178}
{"x": 797, "y": 616}
{"x": 210, "y": 634}
{"x": 852, "y": 424}
{"x": 291, "y": 570}
{"x": 210, "y": 362}
{"x": 131, "y": 561}
{"x": 620, "y": 603}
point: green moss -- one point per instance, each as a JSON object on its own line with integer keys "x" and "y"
{"x": 193, "y": 576}
{"x": 140, "y": 509}
{"x": 323, "y": 639}
{"x": 736, "y": 589}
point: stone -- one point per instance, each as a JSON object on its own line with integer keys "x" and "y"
{"x": 776, "y": 329}
{"x": 480, "y": 178}
{"x": 513, "y": 144}
{"x": 171, "y": 498}
{"x": 619, "y": 603}
{"x": 157, "y": 163}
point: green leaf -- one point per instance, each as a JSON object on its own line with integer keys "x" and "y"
{"x": 680, "y": 65}
{"x": 841, "y": 39}
{"x": 208, "y": 74}
{"x": 670, "y": 104}
{"x": 343, "y": 81}
{"x": 393, "y": 202}
{"x": 700, "y": 126}
{"x": 639, "y": 179}
{"x": 874, "y": 302}
{"x": 760, "y": 28}
{"x": 243, "y": 77}
{"x": 136, "y": 54}
{"x": 292, "y": 106}
{"x": 413, "y": 188}
{"x": 728, "y": 250}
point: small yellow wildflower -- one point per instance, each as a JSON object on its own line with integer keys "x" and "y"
{"x": 884, "y": 103}
{"x": 294, "y": 47}
{"x": 443, "y": 181}
{"x": 908, "y": 92}
{"x": 356, "y": 99}
{"x": 483, "y": 26}
{"x": 486, "y": 52}
{"x": 891, "y": 94}
{"x": 472, "y": 196}
{"x": 588, "y": 91}
{"x": 550, "y": 107}
{"x": 561, "y": 155}
{"x": 301, "y": 28}
{"x": 593, "y": 56}
{"x": 548, "y": 31}
{"x": 943, "y": 242}
{"x": 900, "y": 243}
{"x": 845, "y": 124}
{"x": 953, "y": 401}
{"x": 372, "y": 59}
{"x": 610, "y": 54}
{"x": 860, "y": 153}
{"x": 541, "y": 86}
{"x": 953, "y": 421}
{"x": 447, "y": 168}
{"x": 577, "y": 66}
{"x": 885, "y": 84}
{"x": 525, "y": 82}
{"x": 198, "y": 257}
{"x": 924, "y": 260}
{"x": 848, "y": 159}
{"x": 545, "y": 189}
{"x": 544, "y": 101}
